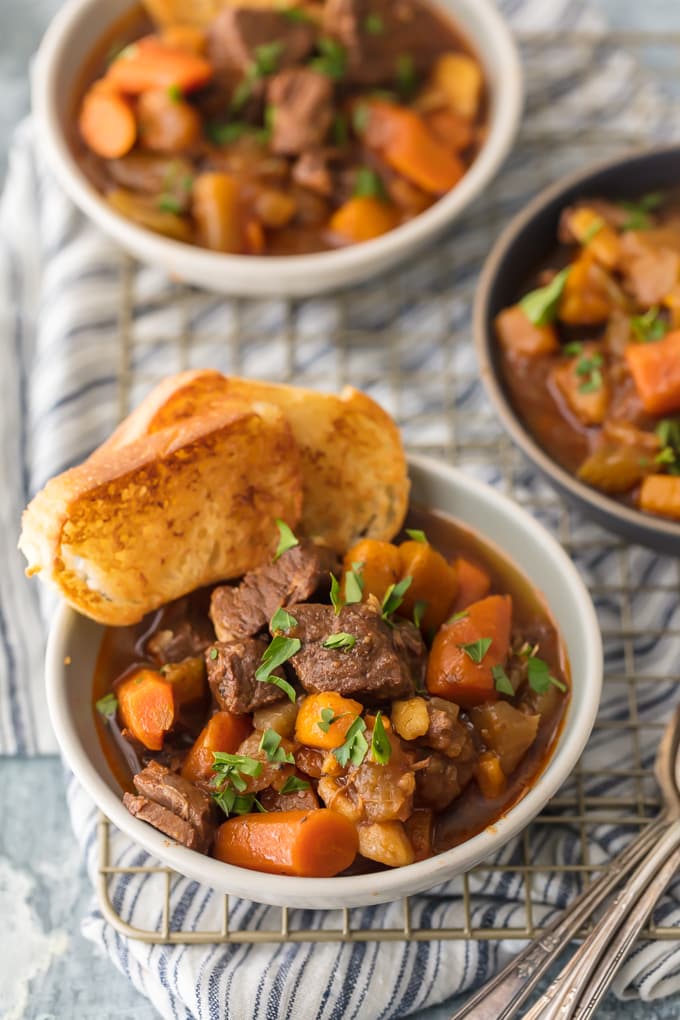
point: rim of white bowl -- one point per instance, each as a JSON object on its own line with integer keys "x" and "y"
{"x": 327, "y": 893}
{"x": 257, "y": 270}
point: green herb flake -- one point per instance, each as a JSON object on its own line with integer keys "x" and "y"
{"x": 340, "y": 641}
{"x": 540, "y": 306}
{"x": 374, "y": 24}
{"x": 224, "y": 763}
{"x": 406, "y": 77}
{"x": 287, "y": 540}
{"x": 175, "y": 93}
{"x": 361, "y": 114}
{"x": 294, "y": 784}
{"x": 340, "y": 130}
{"x": 233, "y": 803}
{"x": 266, "y": 58}
{"x": 416, "y": 535}
{"x": 225, "y": 134}
{"x": 336, "y": 596}
{"x": 296, "y": 15}
{"x": 170, "y": 204}
{"x": 327, "y": 719}
{"x": 280, "y": 650}
{"x": 502, "y": 681}
{"x": 369, "y": 184}
{"x": 394, "y": 596}
{"x": 573, "y": 349}
{"x": 355, "y": 746}
{"x": 540, "y": 678}
{"x": 332, "y": 60}
{"x": 650, "y": 326}
{"x": 592, "y": 231}
{"x": 457, "y": 616}
{"x": 213, "y": 653}
{"x": 271, "y": 745}
{"x": 381, "y": 748}
{"x": 107, "y": 706}
{"x": 668, "y": 432}
{"x": 242, "y": 93}
{"x": 281, "y": 621}
{"x": 228, "y": 782}
{"x": 354, "y": 587}
{"x": 589, "y": 367}
{"x": 638, "y": 212}
{"x": 419, "y": 611}
{"x": 476, "y": 650}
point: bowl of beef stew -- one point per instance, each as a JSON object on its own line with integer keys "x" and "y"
{"x": 284, "y": 150}
{"x": 381, "y": 730}
{"x": 578, "y": 334}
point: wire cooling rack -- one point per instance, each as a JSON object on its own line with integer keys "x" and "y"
{"x": 405, "y": 339}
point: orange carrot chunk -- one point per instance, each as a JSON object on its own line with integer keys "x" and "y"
{"x": 434, "y": 583}
{"x": 362, "y": 218}
{"x": 223, "y": 732}
{"x": 150, "y": 63}
{"x": 660, "y": 494}
{"x": 378, "y": 565}
{"x": 309, "y": 844}
{"x": 323, "y": 720}
{"x": 107, "y": 122}
{"x": 473, "y": 583}
{"x": 466, "y": 650}
{"x": 147, "y": 707}
{"x": 403, "y": 139}
{"x": 655, "y": 368}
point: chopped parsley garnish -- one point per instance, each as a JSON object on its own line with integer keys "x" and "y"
{"x": 502, "y": 681}
{"x": 354, "y": 585}
{"x": 638, "y": 212}
{"x": 381, "y": 749}
{"x": 332, "y": 60}
{"x": 328, "y": 718}
{"x": 175, "y": 93}
{"x": 265, "y": 63}
{"x": 233, "y": 803}
{"x": 170, "y": 204}
{"x": 369, "y": 184}
{"x": 224, "y": 134}
{"x": 296, "y": 15}
{"x": 457, "y": 616}
{"x": 650, "y": 326}
{"x": 668, "y": 432}
{"x": 394, "y": 596}
{"x": 540, "y": 677}
{"x": 107, "y": 706}
{"x": 229, "y": 784}
{"x": 476, "y": 650}
{"x": 374, "y": 24}
{"x": 336, "y": 597}
{"x": 417, "y": 535}
{"x": 361, "y": 115}
{"x": 282, "y": 621}
{"x": 589, "y": 368}
{"x": 341, "y": 641}
{"x": 213, "y": 653}
{"x": 287, "y": 539}
{"x": 271, "y": 745}
{"x": 406, "y": 78}
{"x": 280, "y": 650}
{"x": 419, "y": 611}
{"x": 355, "y": 746}
{"x": 293, "y": 785}
{"x": 540, "y": 306}
{"x": 573, "y": 349}
{"x": 592, "y": 231}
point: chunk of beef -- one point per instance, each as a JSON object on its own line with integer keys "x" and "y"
{"x": 313, "y": 171}
{"x": 372, "y": 669}
{"x": 238, "y": 33}
{"x": 507, "y": 730}
{"x": 242, "y": 610}
{"x": 302, "y": 101}
{"x": 379, "y": 34}
{"x": 447, "y": 732}
{"x": 409, "y": 643}
{"x": 174, "y": 806}
{"x": 442, "y": 780}
{"x": 180, "y": 631}
{"x": 231, "y": 675}
{"x": 299, "y": 800}
{"x": 651, "y": 262}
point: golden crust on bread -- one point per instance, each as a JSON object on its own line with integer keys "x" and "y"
{"x": 193, "y": 503}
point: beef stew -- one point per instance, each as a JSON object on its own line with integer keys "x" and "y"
{"x": 282, "y": 131}
{"x": 385, "y": 710}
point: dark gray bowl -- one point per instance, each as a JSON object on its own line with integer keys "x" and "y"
{"x": 528, "y": 240}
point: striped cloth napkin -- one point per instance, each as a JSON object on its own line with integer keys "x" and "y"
{"x": 60, "y": 322}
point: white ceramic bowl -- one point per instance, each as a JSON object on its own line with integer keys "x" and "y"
{"x": 501, "y": 523}
{"x": 73, "y": 34}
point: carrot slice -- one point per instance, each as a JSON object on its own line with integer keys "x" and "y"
{"x": 363, "y": 218}
{"x": 404, "y": 141}
{"x": 660, "y": 494}
{"x": 150, "y": 63}
{"x": 655, "y": 368}
{"x": 380, "y": 565}
{"x": 473, "y": 584}
{"x": 462, "y": 659}
{"x": 223, "y": 732}
{"x": 343, "y": 712}
{"x": 147, "y": 707}
{"x": 107, "y": 122}
{"x": 311, "y": 844}
{"x": 434, "y": 583}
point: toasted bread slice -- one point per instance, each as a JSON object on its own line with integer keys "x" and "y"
{"x": 144, "y": 522}
{"x": 355, "y": 480}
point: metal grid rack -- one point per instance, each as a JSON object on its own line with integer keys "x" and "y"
{"x": 406, "y": 339}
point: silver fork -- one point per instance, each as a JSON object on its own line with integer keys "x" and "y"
{"x": 585, "y": 978}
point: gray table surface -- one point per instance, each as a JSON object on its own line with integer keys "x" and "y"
{"x": 47, "y": 970}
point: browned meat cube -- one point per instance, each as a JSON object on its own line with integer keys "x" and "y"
{"x": 372, "y": 669}
{"x": 174, "y": 806}
{"x": 442, "y": 780}
{"x": 313, "y": 171}
{"x": 239, "y": 611}
{"x": 302, "y": 100}
{"x": 231, "y": 674}
{"x": 237, "y": 34}
{"x": 182, "y": 631}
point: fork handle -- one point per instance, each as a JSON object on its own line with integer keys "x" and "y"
{"x": 504, "y": 994}
{"x": 561, "y": 999}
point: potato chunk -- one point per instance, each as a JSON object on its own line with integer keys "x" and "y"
{"x": 410, "y": 718}
{"x": 387, "y": 843}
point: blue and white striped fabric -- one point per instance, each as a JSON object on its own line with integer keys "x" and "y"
{"x": 62, "y": 359}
